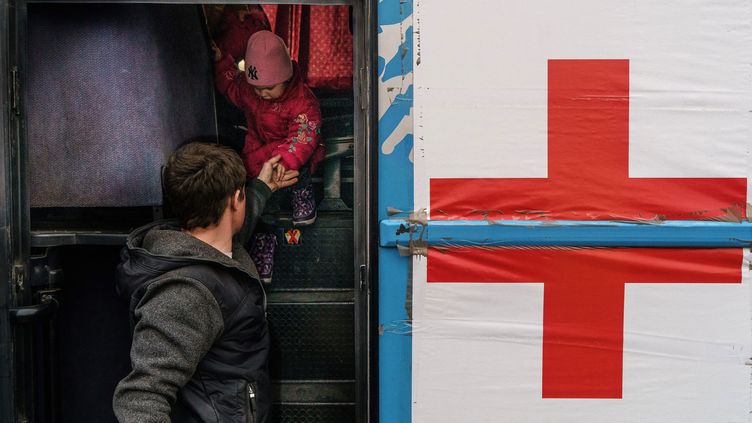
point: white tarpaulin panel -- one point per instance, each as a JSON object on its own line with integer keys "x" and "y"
{"x": 582, "y": 110}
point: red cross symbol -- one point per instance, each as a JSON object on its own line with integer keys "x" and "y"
{"x": 583, "y": 300}
{"x": 583, "y": 304}
{"x": 588, "y": 163}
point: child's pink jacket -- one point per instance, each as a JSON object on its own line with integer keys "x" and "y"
{"x": 289, "y": 126}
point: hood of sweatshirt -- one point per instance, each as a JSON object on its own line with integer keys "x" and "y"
{"x": 162, "y": 246}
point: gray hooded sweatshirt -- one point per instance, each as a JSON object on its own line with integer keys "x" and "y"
{"x": 183, "y": 325}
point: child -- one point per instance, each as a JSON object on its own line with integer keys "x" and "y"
{"x": 283, "y": 119}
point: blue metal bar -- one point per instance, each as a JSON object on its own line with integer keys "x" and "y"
{"x": 569, "y": 233}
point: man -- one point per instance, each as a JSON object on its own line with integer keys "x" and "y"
{"x": 200, "y": 337}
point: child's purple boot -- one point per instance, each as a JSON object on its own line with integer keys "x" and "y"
{"x": 303, "y": 206}
{"x": 262, "y": 253}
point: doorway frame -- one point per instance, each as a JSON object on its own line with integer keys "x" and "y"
{"x": 16, "y": 373}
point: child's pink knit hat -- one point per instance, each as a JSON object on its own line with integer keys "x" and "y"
{"x": 267, "y": 61}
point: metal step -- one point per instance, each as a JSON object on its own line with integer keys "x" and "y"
{"x": 312, "y": 322}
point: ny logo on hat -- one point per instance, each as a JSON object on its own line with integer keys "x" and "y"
{"x": 252, "y": 72}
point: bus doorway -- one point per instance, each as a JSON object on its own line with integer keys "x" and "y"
{"x": 132, "y": 82}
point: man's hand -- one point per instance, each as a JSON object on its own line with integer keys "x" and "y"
{"x": 274, "y": 178}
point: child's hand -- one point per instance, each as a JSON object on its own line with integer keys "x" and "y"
{"x": 217, "y": 52}
{"x": 279, "y": 171}
{"x": 268, "y": 175}
{"x": 243, "y": 13}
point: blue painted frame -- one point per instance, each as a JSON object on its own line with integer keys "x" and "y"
{"x": 395, "y": 189}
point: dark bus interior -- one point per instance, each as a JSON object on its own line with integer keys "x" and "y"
{"x": 110, "y": 90}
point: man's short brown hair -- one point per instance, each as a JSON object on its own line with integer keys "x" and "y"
{"x": 199, "y": 180}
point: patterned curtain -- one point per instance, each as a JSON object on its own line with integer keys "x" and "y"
{"x": 320, "y": 40}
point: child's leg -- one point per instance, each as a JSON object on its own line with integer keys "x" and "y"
{"x": 304, "y": 179}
